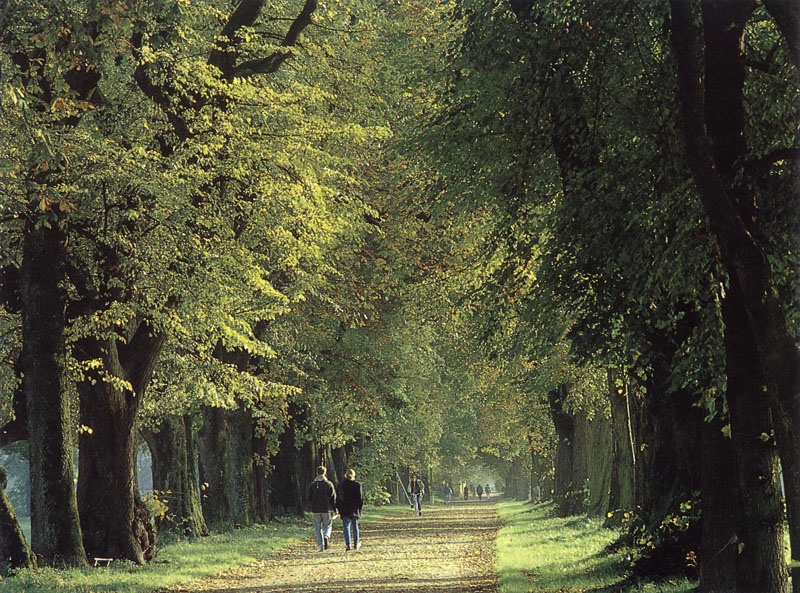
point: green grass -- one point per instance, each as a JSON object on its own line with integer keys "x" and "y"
{"x": 178, "y": 561}
{"x": 537, "y": 553}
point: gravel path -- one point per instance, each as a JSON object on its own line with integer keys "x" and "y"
{"x": 446, "y": 550}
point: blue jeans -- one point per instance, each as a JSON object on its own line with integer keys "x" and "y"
{"x": 323, "y": 523}
{"x": 349, "y": 523}
{"x": 416, "y": 502}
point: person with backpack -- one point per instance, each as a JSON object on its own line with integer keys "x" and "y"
{"x": 350, "y": 501}
{"x": 322, "y": 496}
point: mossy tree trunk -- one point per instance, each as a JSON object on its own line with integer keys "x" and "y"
{"x": 14, "y": 550}
{"x": 55, "y": 526}
{"x": 174, "y": 477}
{"x": 261, "y": 476}
{"x": 240, "y": 454}
{"x": 567, "y": 495}
{"x": 599, "y": 458}
{"x": 214, "y": 470}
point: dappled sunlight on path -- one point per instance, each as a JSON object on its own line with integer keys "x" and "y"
{"x": 446, "y": 550}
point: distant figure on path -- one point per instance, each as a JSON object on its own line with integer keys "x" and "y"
{"x": 488, "y": 491}
{"x": 322, "y": 496}
{"x": 416, "y": 489}
{"x": 350, "y": 501}
{"x": 479, "y": 491}
{"x": 466, "y": 491}
{"x": 447, "y": 493}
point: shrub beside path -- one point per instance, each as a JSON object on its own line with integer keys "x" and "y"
{"x": 446, "y": 550}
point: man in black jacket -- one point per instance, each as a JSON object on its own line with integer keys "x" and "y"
{"x": 322, "y": 496}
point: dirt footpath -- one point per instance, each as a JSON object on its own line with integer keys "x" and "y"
{"x": 446, "y": 550}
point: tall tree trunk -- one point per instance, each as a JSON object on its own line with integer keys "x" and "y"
{"x": 14, "y": 550}
{"x": 339, "y": 456}
{"x": 599, "y": 457}
{"x": 623, "y": 456}
{"x": 115, "y": 521}
{"x": 713, "y": 123}
{"x": 240, "y": 454}
{"x": 55, "y": 527}
{"x": 174, "y": 477}
{"x": 261, "y": 470}
{"x": 759, "y": 512}
{"x": 568, "y": 496}
{"x": 719, "y": 551}
{"x": 214, "y": 471}
{"x": 287, "y": 490}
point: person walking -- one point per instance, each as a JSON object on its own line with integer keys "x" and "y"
{"x": 350, "y": 501}
{"x": 416, "y": 489}
{"x": 479, "y": 491}
{"x": 447, "y": 493}
{"x": 466, "y": 491}
{"x": 322, "y": 496}
{"x": 488, "y": 491}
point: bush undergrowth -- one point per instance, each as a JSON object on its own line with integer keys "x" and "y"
{"x": 537, "y": 553}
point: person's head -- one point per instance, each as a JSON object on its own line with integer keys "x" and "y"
{"x": 413, "y": 478}
{"x": 350, "y": 474}
{"x": 322, "y": 470}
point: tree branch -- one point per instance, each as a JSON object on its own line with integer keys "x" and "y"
{"x": 272, "y": 62}
{"x": 245, "y": 15}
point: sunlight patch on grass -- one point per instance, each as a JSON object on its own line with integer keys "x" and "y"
{"x": 537, "y": 553}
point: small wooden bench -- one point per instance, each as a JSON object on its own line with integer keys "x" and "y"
{"x": 103, "y": 561}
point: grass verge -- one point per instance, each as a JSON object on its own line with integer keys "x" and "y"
{"x": 179, "y": 561}
{"x": 537, "y": 553}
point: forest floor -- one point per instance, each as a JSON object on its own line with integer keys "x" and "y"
{"x": 445, "y": 550}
